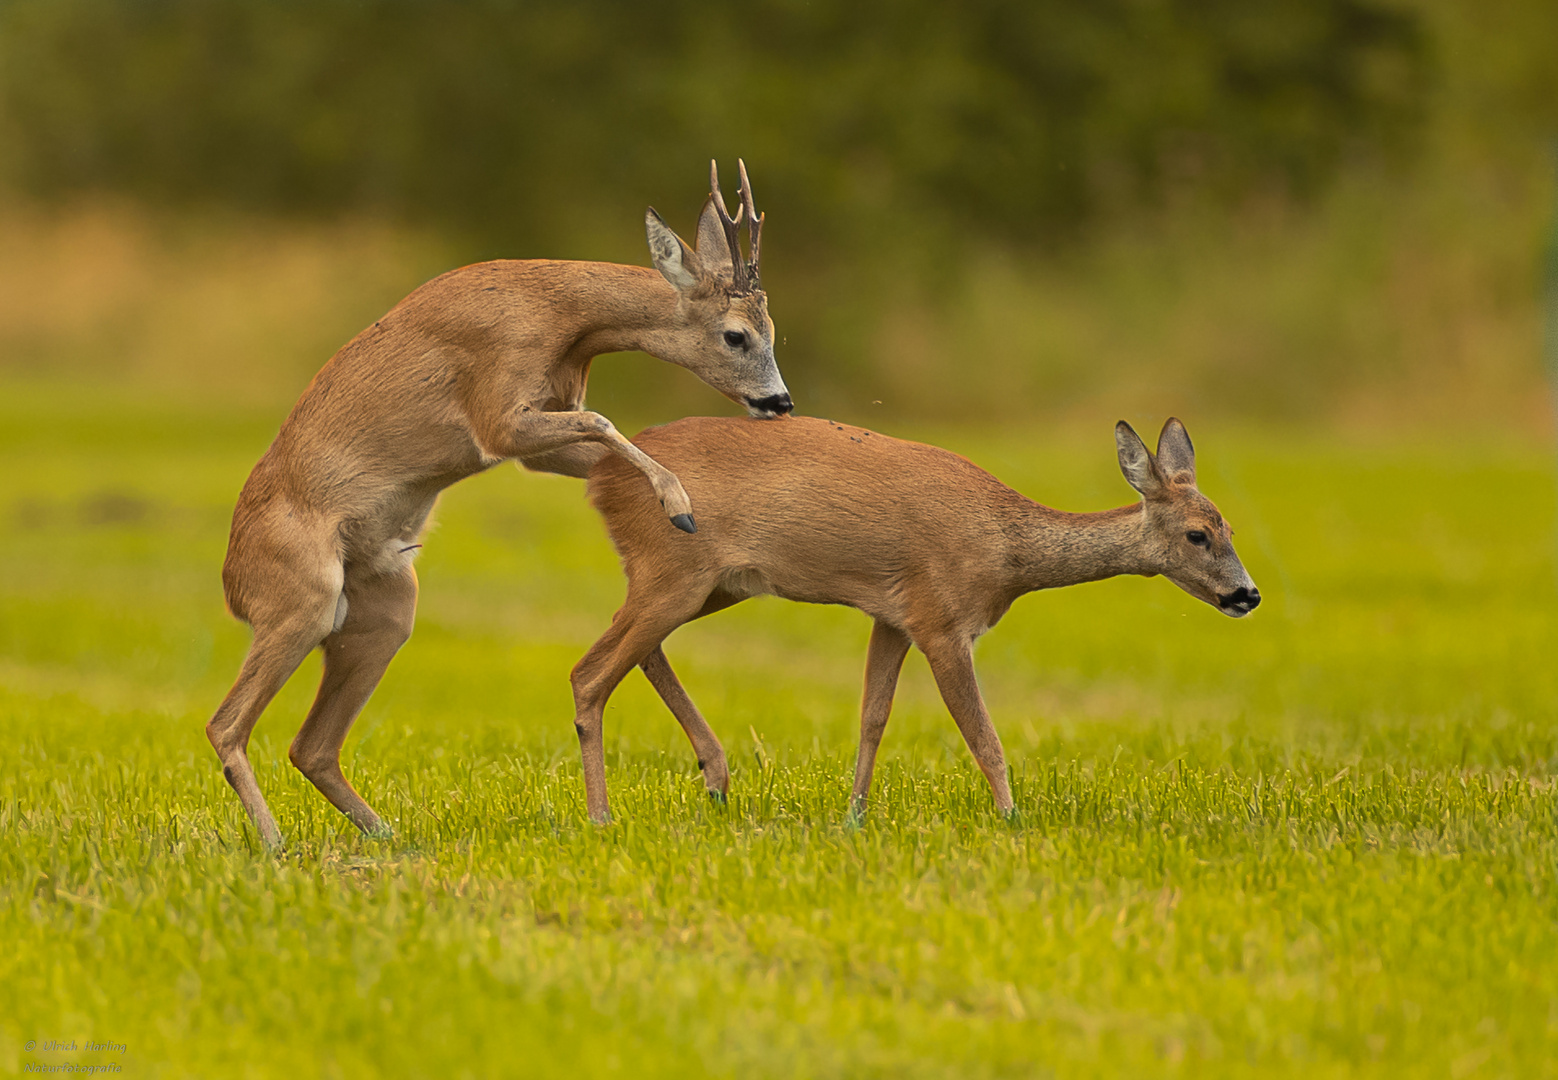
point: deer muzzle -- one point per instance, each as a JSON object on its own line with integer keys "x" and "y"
{"x": 1240, "y": 602}
{"x": 771, "y": 406}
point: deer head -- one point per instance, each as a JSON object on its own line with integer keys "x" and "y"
{"x": 725, "y": 336}
{"x": 1187, "y": 540}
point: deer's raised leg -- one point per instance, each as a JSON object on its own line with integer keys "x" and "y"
{"x": 711, "y": 755}
{"x": 952, "y": 663}
{"x": 540, "y": 436}
{"x": 636, "y": 630}
{"x": 380, "y": 609}
{"x": 884, "y": 660}
{"x": 576, "y": 460}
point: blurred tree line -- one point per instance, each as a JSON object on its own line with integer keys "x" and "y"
{"x": 979, "y": 206}
{"x": 511, "y": 123}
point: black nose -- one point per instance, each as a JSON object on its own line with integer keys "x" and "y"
{"x": 1243, "y": 600}
{"x": 778, "y": 404}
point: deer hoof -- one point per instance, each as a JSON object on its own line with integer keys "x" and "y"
{"x": 855, "y": 818}
{"x": 684, "y": 522}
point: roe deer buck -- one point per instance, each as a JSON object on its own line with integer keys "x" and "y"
{"x": 483, "y": 364}
{"x": 932, "y": 547}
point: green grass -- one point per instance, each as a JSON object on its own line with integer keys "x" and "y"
{"x": 1316, "y": 842}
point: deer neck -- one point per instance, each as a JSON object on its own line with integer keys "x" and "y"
{"x": 616, "y": 309}
{"x": 1055, "y": 548}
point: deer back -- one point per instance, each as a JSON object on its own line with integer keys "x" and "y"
{"x": 815, "y": 511}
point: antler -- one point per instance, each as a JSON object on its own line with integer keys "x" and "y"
{"x": 732, "y": 226}
{"x": 754, "y": 221}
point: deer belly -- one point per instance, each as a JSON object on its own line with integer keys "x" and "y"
{"x": 851, "y": 587}
{"x": 386, "y": 541}
{"x": 745, "y": 581}
{"x": 393, "y": 556}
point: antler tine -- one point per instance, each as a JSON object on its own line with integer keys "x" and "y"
{"x": 732, "y": 227}
{"x": 754, "y": 221}
{"x": 719, "y": 200}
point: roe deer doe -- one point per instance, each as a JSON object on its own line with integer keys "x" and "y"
{"x": 929, "y": 545}
{"x": 483, "y": 364}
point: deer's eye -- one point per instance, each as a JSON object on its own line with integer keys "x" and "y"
{"x": 735, "y": 339}
{"x": 1197, "y": 537}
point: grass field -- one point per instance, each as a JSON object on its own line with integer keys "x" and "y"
{"x": 1316, "y": 842}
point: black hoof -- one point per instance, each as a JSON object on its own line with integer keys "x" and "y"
{"x": 684, "y": 523}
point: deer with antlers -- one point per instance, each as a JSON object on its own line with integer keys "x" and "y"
{"x": 933, "y": 548}
{"x": 482, "y": 365}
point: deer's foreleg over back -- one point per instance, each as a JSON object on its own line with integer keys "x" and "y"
{"x": 576, "y": 460}
{"x": 546, "y": 436}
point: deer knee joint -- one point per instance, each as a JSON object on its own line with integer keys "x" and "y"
{"x": 309, "y": 761}
{"x": 222, "y": 741}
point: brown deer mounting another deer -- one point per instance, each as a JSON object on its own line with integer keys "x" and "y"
{"x": 929, "y": 545}
{"x": 481, "y": 365}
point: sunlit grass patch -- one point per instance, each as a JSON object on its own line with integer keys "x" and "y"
{"x": 1319, "y": 841}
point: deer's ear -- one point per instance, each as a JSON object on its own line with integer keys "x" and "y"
{"x": 1176, "y": 457}
{"x": 1136, "y": 461}
{"x": 713, "y": 249}
{"x": 676, "y": 262}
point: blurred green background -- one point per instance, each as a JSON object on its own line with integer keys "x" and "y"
{"x": 1312, "y": 211}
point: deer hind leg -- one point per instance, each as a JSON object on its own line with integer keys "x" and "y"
{"x": 637, "y": 629}
{"x": 952, "y": 663}
{"x": 884, "y": 660}
{"x": 380, "y": 609}
{"x": 711, "y": 755}
{"x": 706, "y": 744}
{"x": 282, "y": 639}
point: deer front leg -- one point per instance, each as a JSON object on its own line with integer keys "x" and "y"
{"x": 575, "y": 461}
{"x": 952, "y": 663}
{"x": 543, "y": 436}
{"x": 884, "y": 660}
